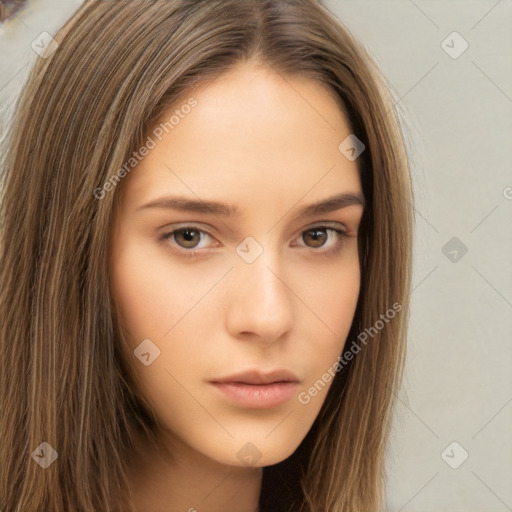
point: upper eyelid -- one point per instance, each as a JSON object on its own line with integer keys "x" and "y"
{"x": 328, "y": 225}
{"x": 206, "y": 230}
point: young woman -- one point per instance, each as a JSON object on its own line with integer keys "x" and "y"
{"x": 205, "y": 264}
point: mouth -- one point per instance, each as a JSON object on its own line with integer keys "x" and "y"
{"x": 256, "y": 390}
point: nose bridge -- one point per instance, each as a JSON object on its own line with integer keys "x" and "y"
{"x": 261, "y": 298}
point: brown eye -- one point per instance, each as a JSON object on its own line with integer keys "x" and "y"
{"x": 317, "y": 237}
{"x": 325, "y": 240}
{"x": 187, "y": 241}
{"x": 187, "y": 238}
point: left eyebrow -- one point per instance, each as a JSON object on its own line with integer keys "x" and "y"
{"x": 217, "y": 208}
{"x": 332, "y": 204}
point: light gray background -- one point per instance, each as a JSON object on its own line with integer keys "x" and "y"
{"x": 458, "y": 120}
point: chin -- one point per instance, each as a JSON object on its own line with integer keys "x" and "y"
{"x": 256, "y": 453}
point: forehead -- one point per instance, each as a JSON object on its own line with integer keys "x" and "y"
{"x": 251, "y": 131}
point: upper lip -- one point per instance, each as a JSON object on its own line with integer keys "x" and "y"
{"x": 257, "y": 377}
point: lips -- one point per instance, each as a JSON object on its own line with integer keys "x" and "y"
{"x": 256, "y": 390}
{"x": 255, "y": 377}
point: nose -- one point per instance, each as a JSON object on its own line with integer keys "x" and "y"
{"x": 260, "y": 306}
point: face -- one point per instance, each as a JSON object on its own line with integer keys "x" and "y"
{"x": 259, "y": 285}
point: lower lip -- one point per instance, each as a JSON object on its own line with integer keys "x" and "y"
{"x": 262, "y": 396}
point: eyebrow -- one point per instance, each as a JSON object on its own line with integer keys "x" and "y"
{"x": 185, "y": 204}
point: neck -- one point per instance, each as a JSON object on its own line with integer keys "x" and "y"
{"x": 182, "y": 479}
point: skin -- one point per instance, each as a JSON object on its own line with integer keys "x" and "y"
{"x": 269, "y": 146}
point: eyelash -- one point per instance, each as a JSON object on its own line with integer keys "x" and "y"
{"x": 195, "y": 253}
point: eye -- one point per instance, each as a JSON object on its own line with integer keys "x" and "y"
{"x": 185, "y": 240}
{"x": 186, "y": 237}
{"x": 317, "y": 237}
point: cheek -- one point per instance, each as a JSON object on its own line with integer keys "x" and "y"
{"x": 149, "y": 292}
{"x": 332, "y": 297}
{"x": 153, "y": 303}
{"x": 332, "y": 293}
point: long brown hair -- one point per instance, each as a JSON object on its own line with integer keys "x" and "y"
{"x": 82, "y": 113}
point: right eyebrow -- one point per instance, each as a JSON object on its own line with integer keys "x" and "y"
{"x": 192, "y": 205}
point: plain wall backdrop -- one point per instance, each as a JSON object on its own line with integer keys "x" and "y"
{"x": 449, "y": 64}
